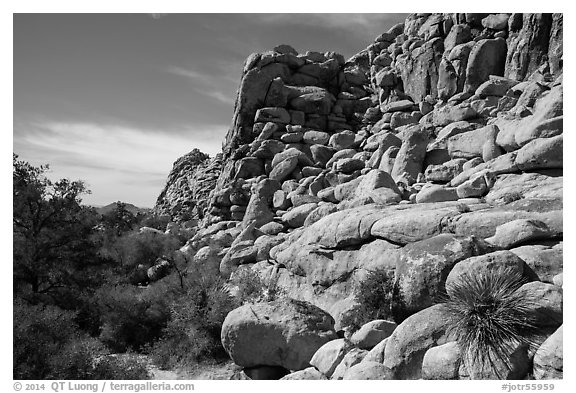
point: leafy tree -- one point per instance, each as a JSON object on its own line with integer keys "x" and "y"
{"x": 51, "y": 231}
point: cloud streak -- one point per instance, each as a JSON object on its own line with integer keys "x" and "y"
{"x": 118, "y": 162}
{"x": 216, "y": 86}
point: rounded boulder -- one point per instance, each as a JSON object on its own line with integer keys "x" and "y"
{"x": 283, "y": 332}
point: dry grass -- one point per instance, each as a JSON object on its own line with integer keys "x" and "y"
{"x": 490, "y": 319}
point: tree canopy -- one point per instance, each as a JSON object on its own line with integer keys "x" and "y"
{"x": 51, "y": 229}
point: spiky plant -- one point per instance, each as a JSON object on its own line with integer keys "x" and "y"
{"x": 490, "y": 318}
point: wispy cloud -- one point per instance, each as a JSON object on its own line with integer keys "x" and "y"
{"x": 195, "y": 75}
{"x": 353, "y": 23}
{"x": 215, "y": 84}
{"x": 118, "y": 162}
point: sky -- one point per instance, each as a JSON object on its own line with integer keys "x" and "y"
{"x": 115, "y": 99}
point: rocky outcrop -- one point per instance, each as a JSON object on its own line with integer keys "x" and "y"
{"x": 189, "y": 184}
{"x": 434, "y": 152}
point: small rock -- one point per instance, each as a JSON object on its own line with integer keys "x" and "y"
{"x": 515, "y": 232}
{"x": 295, "y": 218}
{"x": 349, "y": 165}
{"x": 352, "y": 357}
{"x": 372, "y": 333}
{"x": 316, "y": 137}
{"x": 329, "y": 355}
{"x": 436, "y": 193}
{"x": 368, "y": 371}
{"x": 442, "y": 362}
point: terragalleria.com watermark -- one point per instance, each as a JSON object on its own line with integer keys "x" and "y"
{"x": 105, "y": 386}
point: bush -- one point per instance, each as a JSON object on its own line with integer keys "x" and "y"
{"x": 376, "y": 298}
{"x": 49, "y": 345}
{"x": 193, "y": 332}
{"x": 130, "y": 317}
{"x": 490, "y": 318}
{"x": 135, "y": 252}
{"x": 155, "y": 221}
{"x": 252, "y": 288}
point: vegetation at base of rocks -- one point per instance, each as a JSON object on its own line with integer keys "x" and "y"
{"x": 82, "y": 289}
{"x": 251, "y": 288}
{"x": 192, "y": 333}
{"x": 375, "y": 296}
{"x": 48, "y": 344}
{"x": 490, "y": 318}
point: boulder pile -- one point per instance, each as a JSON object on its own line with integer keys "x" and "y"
{"x": 434, "y": 152}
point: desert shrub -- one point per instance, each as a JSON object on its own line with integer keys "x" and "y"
{"x": 156, "y": 221}
{"x": 375, "y": 297}
{"x": 512, "y": 197}
{"x": 251, "y": 287}
{"x": 135, "y": 252}
{"x": 49, "y": 345}
{"x": 39, "y": 333}
{"x": 130, "y": 317}
{"x": 193, "y": 332}
{"x": 490, "y": 318}
{"x": 144, "y": 248}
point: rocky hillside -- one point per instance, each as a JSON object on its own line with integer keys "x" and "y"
{"x": 436, "y": 152}
{"x": 189, "y": 184}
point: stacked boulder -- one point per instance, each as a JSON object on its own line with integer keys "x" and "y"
{"x": 190, "y": 182}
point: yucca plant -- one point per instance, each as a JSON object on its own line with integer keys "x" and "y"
{"x": 491, "y": 319}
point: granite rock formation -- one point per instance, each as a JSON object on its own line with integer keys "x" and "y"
{"x": 436, "y": 150}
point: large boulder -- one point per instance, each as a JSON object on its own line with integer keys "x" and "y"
{"x": 258, "y": 210}
{"x": 520, "y": 231}
{"x": 442, "y": 362}
{"x": 549, "y": 358}
{"x": 313, "y": 100}
{"x": 543, "y": 153}
{"x": 480, "y": 265}
{"x": 284, "y": 169}
{"x": 470, "y": 144}
{"x": 488, "y": 57}
{"x": 419, "y": 69}
{"x": 329, "y": 356}
{"x": 297, "y": 216}
{"x": 423, "y": 267}
{"x": 409, "y": 160}
{"x": 372, "y": 333}
{"x": 284, "y": 332}
{"x": 411, "y": 223}
{"x": 408, "y": 344}
{"x": 546, "y": 303}
{"x": 373, "y": 180}
{"x": 545, "y": 261}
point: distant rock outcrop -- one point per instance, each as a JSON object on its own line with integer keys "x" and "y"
{"x": 189, "y": 184}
